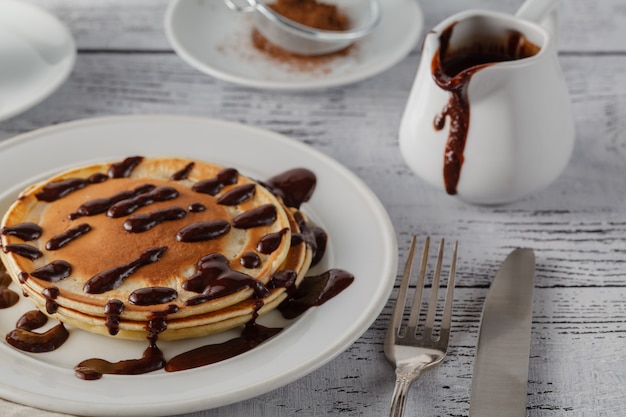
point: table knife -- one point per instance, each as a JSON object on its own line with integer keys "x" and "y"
{"x": 500, "y": 380}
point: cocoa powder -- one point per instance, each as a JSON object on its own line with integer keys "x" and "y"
{"x": 309, "y": 13}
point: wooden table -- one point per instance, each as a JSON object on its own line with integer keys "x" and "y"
{"x": 577, "y": 225}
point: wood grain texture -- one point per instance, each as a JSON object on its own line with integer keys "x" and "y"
{"x": 577, "y": 225}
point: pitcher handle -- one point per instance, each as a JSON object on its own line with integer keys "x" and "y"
{"x": 543, "y": 12}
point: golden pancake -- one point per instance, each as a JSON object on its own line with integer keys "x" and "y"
{"x": 111, "y": 248}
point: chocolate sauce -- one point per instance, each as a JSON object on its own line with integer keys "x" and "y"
{"x": 24, "y": 231}
{"x": 92, "y": 369}
{"x": 23, "y": 250}
{"x": 452, "y": 71}
{"x": 24, "y": 338}
{"x": 112, "y": 312}
{"x": 183, "y": 174}
{"x": 213, "y": 186}
{"x": 62, "y": 239}
{"x": 295, "y": 186}
{"x": 196, "y": 207}
{"x": 50, "y": 294}
{"x": 53, "y": 272}
{"x": 203, "y": 231}
{"x": 315, "y": 237}
{"x": 113, "y": 277}
{"x": 270, "y": 242}
{"x": 315, "y": 291}
{"x": 55, "y": 190}
{"x": 237, "y": 195}
{"x": 101, "y": 205}
{"x": 250, "y": 260}
{"x": 284, "y": 279}
{"x": 129, "y": 206}
{"x": 252, "y": 335}
{"x": 143, "y": 222}
{"x": 214, "y": 278}
{"x": 125, "y": 168}
{"x": 260, "y": 216}
{"x": 8, "y": 298}
{"x": 152, "y": 295}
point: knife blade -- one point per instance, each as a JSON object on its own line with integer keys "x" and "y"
{"x": 500, "y": 380}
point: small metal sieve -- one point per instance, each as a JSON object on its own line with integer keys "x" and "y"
{"x": 294, "y": 37}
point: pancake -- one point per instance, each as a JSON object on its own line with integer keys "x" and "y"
{"x": 113, "y": 248}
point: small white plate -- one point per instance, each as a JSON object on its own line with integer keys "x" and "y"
{"x": 217, "y": 41}
{"x": 37, "y": 53}
{"x": 360, "y": 236}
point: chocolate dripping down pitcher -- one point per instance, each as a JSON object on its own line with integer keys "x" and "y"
{"x": 489, "y": 116}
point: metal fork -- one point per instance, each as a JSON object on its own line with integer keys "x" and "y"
{"x": 409, "y": 352}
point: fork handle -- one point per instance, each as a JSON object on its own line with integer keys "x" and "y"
{"x": 400, "y": 391}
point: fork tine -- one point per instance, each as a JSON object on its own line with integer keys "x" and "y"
{"x": 447, "y": 312}
{"x": 434, "y": 291}
{"x": 421, "y": 278}
{"x": 398, "y": 309}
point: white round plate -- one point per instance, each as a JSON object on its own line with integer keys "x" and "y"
{"x": 217, "y": 41}
{"x": 37, "y": 53}
{"x": 361, "y": 241}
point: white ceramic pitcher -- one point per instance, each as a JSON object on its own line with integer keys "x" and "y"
{"x": 520, "y": 131}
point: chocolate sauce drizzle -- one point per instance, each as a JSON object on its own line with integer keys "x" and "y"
{"x": 214, "y": 278}
{"x": 101, "y": 205}
{"x": 54, "y": 271}
{"x": 24, "y": 338}
{"x": 143, "y": 222}
{"x": 260, "y": 216}
{"x": 113, "y": 277}
{"x": 452, "y": 71}
{"x": 203, "y": 231}
{"x": 129, "y": 206}
{"x": 183, "y": 174}
{"x": 62, "y": 239}
{"x": 25, "y": 231}
{"x": 237, "y": 195}
{"x": 125, "y": 168}
{"x": 213, "y": 186}
{"x": 8, "y": 298}
{"x": 23, "y": 250}
{"x": 59, "y": 189}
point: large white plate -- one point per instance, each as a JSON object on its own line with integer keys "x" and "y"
{"x": 37, "y": 53}
{"x": 217, "y": 41}
{"x": 361, "y": 240}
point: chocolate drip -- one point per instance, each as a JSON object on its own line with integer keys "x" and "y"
{"x": 315, "y": 237}
{"x": 8, "y": 298}
{"x": 92, "y": 369}
{"x": 25, "y": 339}
{"x": 62, "y": 239}
{"x": 51, "y": 293}
{"x": 125, "y": 168}
{"x": 55, "y": 190}
{"x": 113, "y": 277}
{"x": 25, "y": 231}
{"x": 53, "y": 272}
{"x": 250, "y": 260}
{"x": 101, "y": 205}
{"x": 284, "y": 279}
{"x": 452, "y": 71}
{"x": 196, "y": 207}
{"x": 214, "y": 278}
{"x": 152, "y": 295}
{"x": 260, "y": 216}
{"x": 237, "y": 195}
{"x": 202, "y": 231}
{"x": 23, "y": 250}
{"x": 252, "y": 335}
{"x": 138, "y": 223}
{"x": 126, "y": 207}
{"x": 315, "y": 291}
{"x": 112, "y": 312}
{"x": 213, "y": 186}
{"x": 270, "y": 242}
{"x": 183, "y": 174}
{"x": 295, "y": 186}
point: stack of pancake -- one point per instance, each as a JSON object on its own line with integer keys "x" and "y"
{"x": 153, "y": 246}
